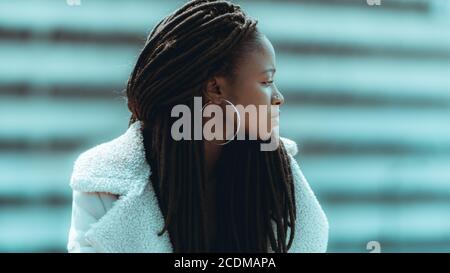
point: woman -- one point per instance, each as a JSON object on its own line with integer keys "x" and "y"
{"x": 145, "y": 191}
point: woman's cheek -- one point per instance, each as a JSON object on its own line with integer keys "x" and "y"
{"x": 258, "y": 124}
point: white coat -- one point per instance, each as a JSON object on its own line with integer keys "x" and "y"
{"x": 114, "y": 208}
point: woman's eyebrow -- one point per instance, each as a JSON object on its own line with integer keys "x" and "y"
{"x": 273, "y": 70}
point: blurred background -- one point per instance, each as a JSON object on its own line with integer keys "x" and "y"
{"x": 367, "y": 91}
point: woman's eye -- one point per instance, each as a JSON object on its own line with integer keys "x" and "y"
{"x": 268, "y": 83}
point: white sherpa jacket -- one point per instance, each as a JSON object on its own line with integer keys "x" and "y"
{"x": 114, "y": 208}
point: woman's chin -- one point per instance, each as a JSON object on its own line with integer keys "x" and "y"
{"x": 274, "y": 132}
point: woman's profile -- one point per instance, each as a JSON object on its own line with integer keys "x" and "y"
{"x": 146, "y": 191}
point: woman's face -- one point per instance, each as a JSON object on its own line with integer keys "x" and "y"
{"x": 254, "y": 86}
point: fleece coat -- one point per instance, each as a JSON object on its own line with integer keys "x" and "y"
{"x": 114, "y": 207}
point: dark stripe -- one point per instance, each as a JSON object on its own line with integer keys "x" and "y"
{"x": 349, "y": 50}
{"x": 392, "y": 197}
{"x": 351, "y": 97}
{"x": 306, "y": 48}
{"x": 49, "y": 145}
{"x": 21, "y": 89}
{"x": 326, "y": 147}
{"x": 68, "y": 36}
{"x": 50, "y": 200}
{"x": 293, "y": 97}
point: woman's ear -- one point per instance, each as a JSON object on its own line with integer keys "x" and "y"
{"x": 213, "y": 90}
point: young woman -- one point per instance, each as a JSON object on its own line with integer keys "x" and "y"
{"x": 145, "y": 191}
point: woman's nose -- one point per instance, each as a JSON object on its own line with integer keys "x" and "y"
{"x": 277, "y": 99}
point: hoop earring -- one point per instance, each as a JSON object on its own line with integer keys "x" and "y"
{"x": 238, "y": 119}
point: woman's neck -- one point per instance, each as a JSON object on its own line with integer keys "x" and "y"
{"x": 212, "y": 149}
{"x": 212, "y": 154}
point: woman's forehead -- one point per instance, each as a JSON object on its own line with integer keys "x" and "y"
{"x": 259, "y": 60}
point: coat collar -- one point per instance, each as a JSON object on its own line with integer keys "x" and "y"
{"x": 117, "y": 166}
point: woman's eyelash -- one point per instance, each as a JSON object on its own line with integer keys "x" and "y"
{"x": 268, "y": 82}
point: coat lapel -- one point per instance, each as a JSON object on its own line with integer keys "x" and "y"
{"x": 131, "y": 226}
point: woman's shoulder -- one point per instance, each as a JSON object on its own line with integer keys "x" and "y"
{"x": 290, "y": 145}
{"x": 313, "y": 227}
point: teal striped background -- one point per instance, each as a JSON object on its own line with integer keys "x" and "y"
{"x": 367, "y": 93}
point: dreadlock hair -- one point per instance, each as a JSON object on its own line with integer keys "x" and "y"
{"x": 254, "y": 201}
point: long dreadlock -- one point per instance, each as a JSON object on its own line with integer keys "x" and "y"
{"x": 255, "y": 202}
